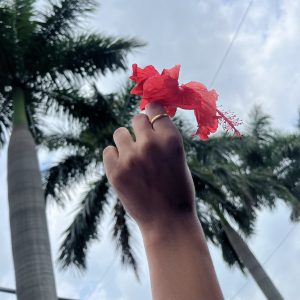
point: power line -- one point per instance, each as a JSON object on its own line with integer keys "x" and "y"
{"x": 280, "y": 244}
{"x": 104, "y": 276}
{"x": 268, "y": 258}
{"x": 231, "y": 43}
{"x": 107, "y": 270}
{"x": 12, "y": 291}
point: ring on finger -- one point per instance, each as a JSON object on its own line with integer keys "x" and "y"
{"x": 155, "y": 118}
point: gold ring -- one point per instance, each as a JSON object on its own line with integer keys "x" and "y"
{"x": 158, "y": 117}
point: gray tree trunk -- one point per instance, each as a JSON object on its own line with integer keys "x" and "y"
{"x": 251, "y": 263}
{"x": 29, "y": 232}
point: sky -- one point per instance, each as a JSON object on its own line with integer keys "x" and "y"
{"x": 261, "y": 68}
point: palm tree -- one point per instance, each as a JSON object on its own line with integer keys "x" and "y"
{"x": 228, "y": 175}
{"x": 285, "y": 152}
{"x": 233, "y": 180}
{"x": 102, "y": 116}
{"x": 225, "y": 188}
{"x": 42, "y": 62}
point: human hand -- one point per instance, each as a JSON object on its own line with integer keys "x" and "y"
{"x": 154, "y": 183}
{"x": 150, "y": 175}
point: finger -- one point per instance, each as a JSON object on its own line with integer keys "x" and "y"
{"x": 123, "y": 140}
{"x": 141, "y": 126}
{"x": 153, "y": 109}
{"x": 110, "y": 157}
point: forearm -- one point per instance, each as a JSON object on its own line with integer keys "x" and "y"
{"x": 179, "y": 261}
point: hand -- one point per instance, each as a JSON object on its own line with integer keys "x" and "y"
{"x": 152, "y": 179}
{"x": 150, "y": 175}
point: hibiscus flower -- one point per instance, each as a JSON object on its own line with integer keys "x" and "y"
{"x": 153, "y": 86}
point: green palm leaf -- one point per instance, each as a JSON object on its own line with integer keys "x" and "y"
{"x": 61, "y": 176}
{"x": 5, "y": 119}
{"x": 122, "y": 236}
{"x": 61, "y": 18}
{"x": 94, "y": 55}
{"x": 83, "y": 228}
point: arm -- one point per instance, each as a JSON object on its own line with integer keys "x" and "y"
{"x": 152, "y": 179}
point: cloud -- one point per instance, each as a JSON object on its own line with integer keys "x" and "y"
{"x": 262, "y": 67}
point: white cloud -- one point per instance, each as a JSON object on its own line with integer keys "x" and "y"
{"x": 260, "y": 68}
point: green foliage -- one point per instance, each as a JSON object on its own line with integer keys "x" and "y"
{"x": 122, "y": 235}
{"x": 234, "y": 178}
{"x": 84, "y": 226}
{"x": 62, "y": 17}
{"x": 5, "y": 119}
{"x": 42, "y": 53}
{"x": 48, "y": 55}
{"x": 63, "y": 175}
{"x": 100, "y": 115}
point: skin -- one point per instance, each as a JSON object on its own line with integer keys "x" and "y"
{"x": 151, "y": 178}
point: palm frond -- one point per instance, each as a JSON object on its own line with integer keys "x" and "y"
{"x": 7, "y": 46}
{"x": 58, "y": 178}
{"x": 95, "y": 114}
{"x": 69, "y": 101}
{"x": 93, "y": 55}
{"x": 33, "y": 124}
{"x": 260, "y": 125}
{"x": 83, "y": 228}
{"x": 5, "y": 119}
{"x": 214, "y": 232}
{"x": 122, "y": 236}
{"x": 205, "y": 183}
{"x": 58, "y": 21}
{"x": 24, "y": 24}
{"x": 62, "y": 141}
{"x": 127, "y": 104}
{"x": 229, "y": 254}
{"x": 210, "y": 190}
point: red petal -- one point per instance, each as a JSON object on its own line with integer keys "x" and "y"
{"x": 171, "y": 111}
{"x": 160, "y": 87}
{"x": 164, "y": 88}
{"x": 139, "y": 75}
{"x": 173, "y": 72}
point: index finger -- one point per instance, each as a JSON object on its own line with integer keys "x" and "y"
{"x": 155, "y": 108}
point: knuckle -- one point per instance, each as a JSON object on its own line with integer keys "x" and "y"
{"x": 139, "y": 117}
{"x": 149, "y": 147}
{"x": 129, "y": 164}
{"x": 122, "y": 174}
{"x": 174, "y": 143}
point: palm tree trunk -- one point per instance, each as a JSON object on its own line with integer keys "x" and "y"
{"x": 29, "y": 232}
{"x": 251, "y": 263}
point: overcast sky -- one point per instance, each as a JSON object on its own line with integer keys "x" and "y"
{"x": 261, "y": 68}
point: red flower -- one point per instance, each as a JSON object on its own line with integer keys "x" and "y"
{"x": 164, "y": 87}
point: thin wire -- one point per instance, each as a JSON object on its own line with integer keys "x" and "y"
{"x": 12, "y": 291}
{"x": 231, "y": 43}
{"x": 107, "y": 270}
{"x": 103, "y": 276}
{"x": 268, "y": 258}
{"x": 280, "y": 244}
